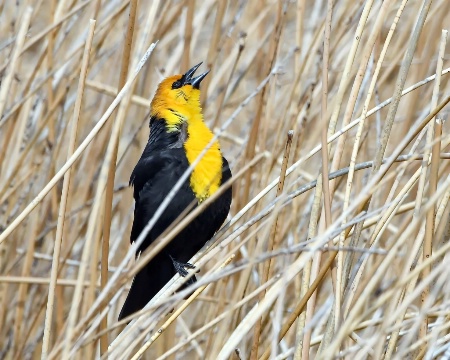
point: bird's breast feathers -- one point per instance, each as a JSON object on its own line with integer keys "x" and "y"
{"x": 207, "y": 174}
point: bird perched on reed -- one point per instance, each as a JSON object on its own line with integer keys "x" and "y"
{"x": 178, "y": 135}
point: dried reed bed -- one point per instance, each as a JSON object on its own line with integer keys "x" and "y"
{"x": 334, "y": 250}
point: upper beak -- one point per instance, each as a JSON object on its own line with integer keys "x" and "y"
{"x": 195, "y": 82}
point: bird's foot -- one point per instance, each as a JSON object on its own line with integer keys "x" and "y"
{"x": 181, "y": 267}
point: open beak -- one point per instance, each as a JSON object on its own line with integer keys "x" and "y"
{"x": 194, "y": 81}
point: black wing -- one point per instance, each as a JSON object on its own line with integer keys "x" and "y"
{"x": 153, "y": 178}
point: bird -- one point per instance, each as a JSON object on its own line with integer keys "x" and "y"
{"x": 178, "y": 135}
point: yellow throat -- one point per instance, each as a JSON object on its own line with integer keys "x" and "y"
{"x": 185, "y": 108}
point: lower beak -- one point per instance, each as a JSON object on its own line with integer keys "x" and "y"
{"x": 195, "y": 82}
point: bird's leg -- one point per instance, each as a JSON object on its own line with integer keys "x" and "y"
{"x": 181, "y": 267}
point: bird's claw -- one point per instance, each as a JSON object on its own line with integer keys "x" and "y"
{"x": 181, "y": 267}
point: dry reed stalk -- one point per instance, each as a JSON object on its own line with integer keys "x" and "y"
{"x": 76, "y": 154}
{"x": 4, "y": 93}
{"x": 334, "y": 253}
{"x": 34, "y": 280}
{"x": 342, "y": 275}
{"x": 185, "y": 59}
{"x": 358, "y": 304}
{"x": 213, "y": 52}
{"x": 23, "y": 287}
{"x": 441, "y": 215}
{"x": 224, "y": 91}
{"x": 394, "y": 106}
{"x": 421, "y": 186}
{"x": 381, "y": 271}
{"x": 251, "y": 145}
{"x": 10, "y": 70}
{"x": 49, "y": 63}
{"x": 64, "y": 194}
{"x": 116, "y": 130}
{"x": 303, "y": 341}
{"x": 434, "y": 130}
{"x": 323, "y": 111}
{"x": 431, "y": 213}
{"x": 325, "y": 151}
{"x": 346, "y": 76}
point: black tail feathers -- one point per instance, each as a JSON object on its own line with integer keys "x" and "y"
{"x": 147, "y": 283}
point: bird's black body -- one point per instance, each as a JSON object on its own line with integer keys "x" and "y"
{"x": 161, "y": 165}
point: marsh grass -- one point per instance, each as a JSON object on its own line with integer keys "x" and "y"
{"x": 345, "y": 256}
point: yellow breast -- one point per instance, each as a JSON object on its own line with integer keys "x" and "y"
{"x": 207, "y": 174}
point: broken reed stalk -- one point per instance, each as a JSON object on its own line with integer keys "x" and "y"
{"x": 272, "y": 239}
{"x": 430, "y": 215}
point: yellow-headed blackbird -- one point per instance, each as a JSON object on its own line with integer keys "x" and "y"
{"x": 178, "y": 135}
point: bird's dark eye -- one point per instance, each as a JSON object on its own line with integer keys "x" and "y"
{"x": 177, "y": 84}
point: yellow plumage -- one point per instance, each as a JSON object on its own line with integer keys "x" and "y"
{"x": 178, "y": 106}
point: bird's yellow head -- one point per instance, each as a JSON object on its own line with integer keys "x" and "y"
{"x": 176, "y": 104}
{"x": 177, "y": 98}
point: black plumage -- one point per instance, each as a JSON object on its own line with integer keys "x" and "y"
{"x": 162, "y": 163}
